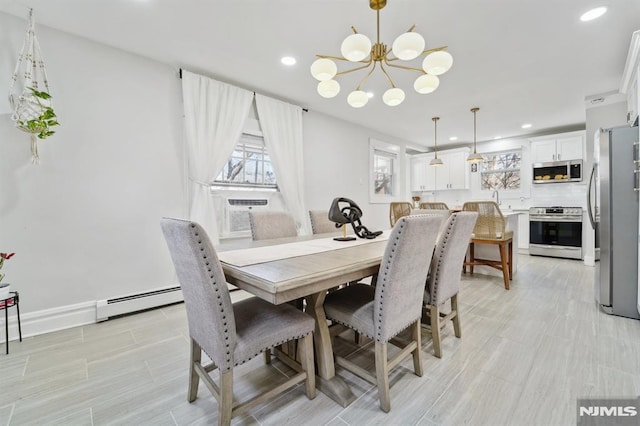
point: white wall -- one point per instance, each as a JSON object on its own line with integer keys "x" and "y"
{"x": 85, "y": 222}
{"x": 336, "y": 157}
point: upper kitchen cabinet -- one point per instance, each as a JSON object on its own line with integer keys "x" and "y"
{"x": 452, "y": 174}
{"x": 561, "y": 147}
{"x": 423, "y": 177}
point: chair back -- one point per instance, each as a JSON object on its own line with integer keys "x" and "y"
{"x": 206, "y": 296}
{"x": 320, "y": 223}
{"x": 266, "y": 225}
{"x": 490, "y": 223}
{"x": 398, "y": 210}
{"x": 434, "y": 206}
{"x": 440, "y": 212}
{"x": 403, "y": 273}
{"x": 446, "y": 264}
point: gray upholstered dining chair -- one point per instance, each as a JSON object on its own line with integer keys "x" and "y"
{"x": 444, "y": 275}
{"x": 230, "y": 334}
{"x": 394, "y": 304}
{"x": 266, "y": 225}
{"x": 320, "y": 223}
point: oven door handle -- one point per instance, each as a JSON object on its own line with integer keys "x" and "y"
{"x": 554, "y": 219}
{"x": 547, "y": 246}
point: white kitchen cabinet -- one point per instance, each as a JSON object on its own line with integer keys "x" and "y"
{"x": 523, "y": 230}
{"x": 452, "y": 174}
{"x": 418, "y": 172}
{"x": 567, "y": 146}
{"x": 422, "y": 174}
{"x": 459, "y": 169}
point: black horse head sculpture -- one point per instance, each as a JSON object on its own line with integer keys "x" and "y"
{"x": 350, "y": 213}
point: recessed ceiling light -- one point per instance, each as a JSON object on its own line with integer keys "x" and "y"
{"x": 593, "y": 14}
{"x": 453, "y": 138}
{"x": 288, "y": 60}
{"x": 369, "y": 95}
{"x": 526, "y": 126}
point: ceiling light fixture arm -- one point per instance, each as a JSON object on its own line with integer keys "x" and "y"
{"x": 366, "y": 77}
{"x": 387, "y": 75}
{"x": 427, "y": 51}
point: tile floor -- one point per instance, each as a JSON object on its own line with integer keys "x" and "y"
{"x": 525, "y": 356}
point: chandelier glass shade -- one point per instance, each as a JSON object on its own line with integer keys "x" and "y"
{"x": 474, "y": 157}
{"x": 435, "y": 161}
{"x": 359, "y": 48}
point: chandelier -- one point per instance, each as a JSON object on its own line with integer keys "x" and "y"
{"x": 358, "y": 48}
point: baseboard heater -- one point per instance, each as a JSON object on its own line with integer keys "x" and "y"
{"x": 137, "y": 302}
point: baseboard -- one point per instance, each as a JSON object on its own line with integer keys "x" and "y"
{"x": 50, "y": 320}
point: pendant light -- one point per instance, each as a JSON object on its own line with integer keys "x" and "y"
{"x": 435, "y": 161}
{"x": 474, "y": 157}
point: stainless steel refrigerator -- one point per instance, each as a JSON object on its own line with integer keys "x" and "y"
{"x": 613, "y": 211}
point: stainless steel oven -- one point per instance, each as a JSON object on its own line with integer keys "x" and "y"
{"x": 555, "y": 232}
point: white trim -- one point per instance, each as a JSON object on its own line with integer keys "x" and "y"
{"x": 589, "y": 261}
{"x": 633, "y": 60}
{"x": 50, "y": 320}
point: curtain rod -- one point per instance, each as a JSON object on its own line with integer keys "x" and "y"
{"x": 180, "y": 75}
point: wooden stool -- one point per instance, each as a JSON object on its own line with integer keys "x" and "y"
{"x": 505, "y": 264}
{"x": 12, "y": 300}
{"x": 490, "y": 229}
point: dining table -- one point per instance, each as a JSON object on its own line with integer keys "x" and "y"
{"x": 287, "y": 269}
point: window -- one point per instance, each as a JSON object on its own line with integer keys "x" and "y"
{"x": 383, "y": 164}
{"x": 249, "y": 165}
{"x": 384, "y": 172}
{"x": 502, "y": 170}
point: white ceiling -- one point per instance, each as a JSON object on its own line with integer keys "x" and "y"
{"x": 520, "y": 61}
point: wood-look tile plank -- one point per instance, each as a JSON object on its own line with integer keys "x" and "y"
{"x": 474, "y": 398}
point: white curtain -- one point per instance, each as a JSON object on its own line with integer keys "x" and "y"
{"x": 214, "y": 114}
{"x": 281, "y": 125}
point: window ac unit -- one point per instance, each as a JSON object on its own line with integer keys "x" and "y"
{"x": 237, "y": 215}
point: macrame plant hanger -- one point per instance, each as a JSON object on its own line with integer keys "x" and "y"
{"x": 27, "y": 106}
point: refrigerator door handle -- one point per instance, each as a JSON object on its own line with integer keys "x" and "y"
{"x": 589, "y": 204}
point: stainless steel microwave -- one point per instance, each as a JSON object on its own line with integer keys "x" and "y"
{"x": 557, "y": 171}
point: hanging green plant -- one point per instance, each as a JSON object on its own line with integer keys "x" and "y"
{"x": 40, "y": 125}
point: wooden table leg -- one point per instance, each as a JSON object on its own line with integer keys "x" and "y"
{"x": 328, "y": 383}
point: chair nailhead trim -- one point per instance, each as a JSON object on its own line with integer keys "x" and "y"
{"x": 216, "y": 288}
{"x": 447, "y": 234}
{"x": 270, "y": 347}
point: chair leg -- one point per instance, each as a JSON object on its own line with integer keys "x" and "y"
{"x": 511, "y": 259}
{"x": 382, "y": 376}
{"x": 267, "y": 356}
{"x": 472, "y": 256}
{"x": 456, "y": 318}
{"x": 435, "y": 330}
{"x": 505, "y": 264}
{"x": 225, "y": 404}
{"x": 417, "y": 353}
{"x": 196, "y": 357}
{"x": 356, "y": 337}
{"x": 305, "y": 346}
